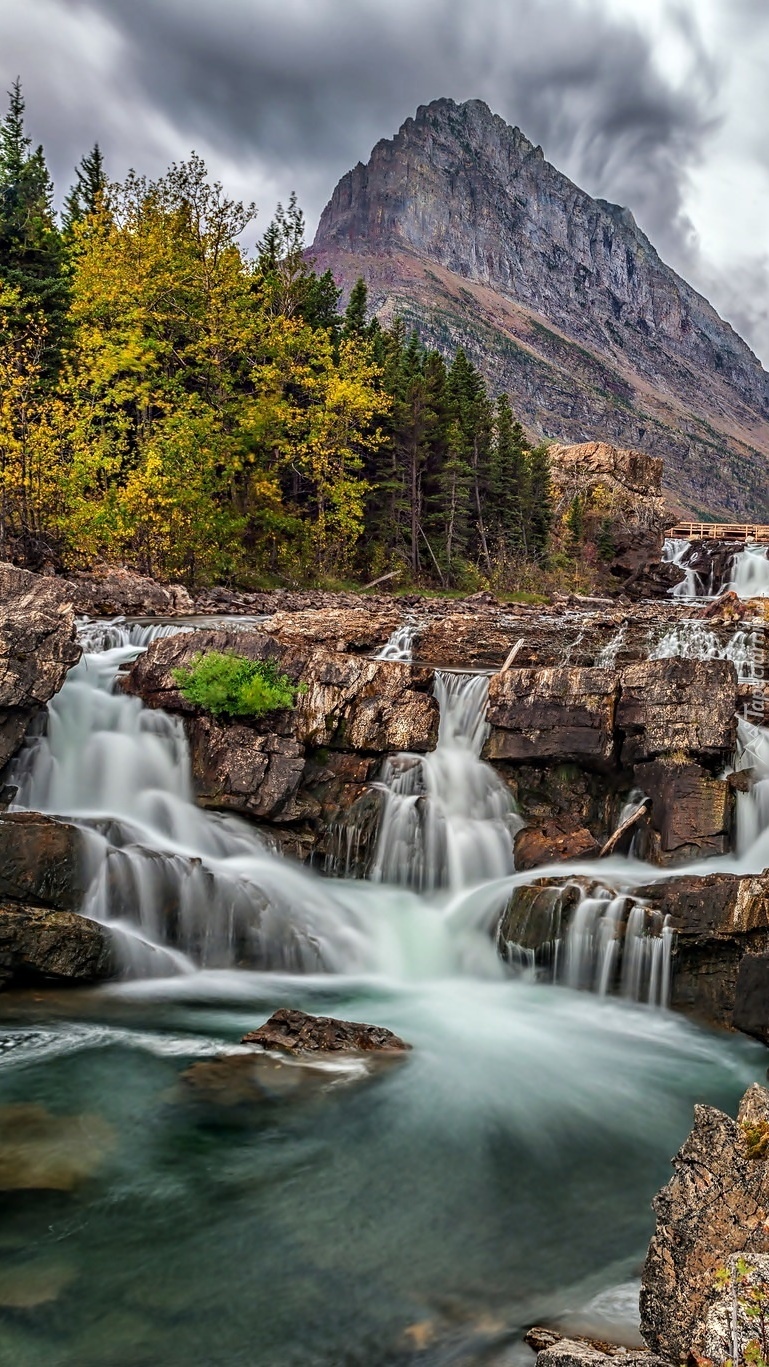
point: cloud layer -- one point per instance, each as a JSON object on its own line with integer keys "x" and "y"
{"x": 289, "y": 96}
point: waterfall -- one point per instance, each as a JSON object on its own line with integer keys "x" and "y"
{"x": 695, "y": 641}
{"x": 677, "y": 552}
{"x": 448, "y": 820}
{"x": 612, "y": 943}
{"x": 190, "y": 888}
{"x": 114, "y": 632}
{"x": 400, "y": 645}
{"x": 749, "y": 573}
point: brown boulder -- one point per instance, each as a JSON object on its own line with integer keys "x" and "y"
{"x": 41, "y": 861}
{"x": 552, "y": 842}
{"x": 235, "y": 768}
{"x": 117, "y": 591}
{"x": 40, "y": 946}
{"x": 296, "y": 1032}
{"x": 715, "y": 1205}
{"x": 570, "y": 1352}
{"x": 337, "y": 628}
{"x": 346, "y": 702}
{"x": 692, "y": 813}
{"x": 751, "y": 997}
{"x": 37, "y": 647}
{"x": 718, "y": 920}
{"x": 557, "y": 715}
{"x": 679, "y": 706}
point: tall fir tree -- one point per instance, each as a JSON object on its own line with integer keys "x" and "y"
{"x": 86, "y": 194}
{"x": 32, "y": 255}
{"x": 540, "y": 503}
{"x": 508, "y": 483}
{"x": 356, "y": 314}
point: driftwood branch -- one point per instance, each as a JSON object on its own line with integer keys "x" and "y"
{"x": 381, "y": 580}
{"x": 516, "y": 650}
{"x": 624, "y": 827}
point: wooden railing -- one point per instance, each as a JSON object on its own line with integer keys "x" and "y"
{"x": 718, "y": 531}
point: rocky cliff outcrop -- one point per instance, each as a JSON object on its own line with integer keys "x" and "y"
{"x": 37, "y": 647}
{"x": 715, "y": 1206}
{"x": 461, "y": 226}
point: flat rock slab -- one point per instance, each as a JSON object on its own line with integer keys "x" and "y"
{"x": 296, "y": 1032}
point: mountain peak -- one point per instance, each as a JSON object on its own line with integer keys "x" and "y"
{"x": 460, "y": 224}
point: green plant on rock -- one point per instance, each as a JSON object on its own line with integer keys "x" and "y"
{"x": 756, "y": 1139}
{"x": 750, "y": 1296}
{"x": 226, "y": 684}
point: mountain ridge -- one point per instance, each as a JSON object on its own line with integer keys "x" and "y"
{"x": 459, "y": 224}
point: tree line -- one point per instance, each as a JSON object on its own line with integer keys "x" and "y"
{"x": 170, "y": 399}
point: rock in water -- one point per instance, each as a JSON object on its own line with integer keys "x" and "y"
{"x": 296, "y": 1032}
{"x": 714, "y": 1207}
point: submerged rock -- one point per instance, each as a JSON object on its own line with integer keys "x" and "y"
{"x": 714, "y": 1207}
{"x": 40, "y": 1151}
{"x": 296, "y": 1032}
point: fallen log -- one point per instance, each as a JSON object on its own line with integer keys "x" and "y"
{"x": 624, "y": 827}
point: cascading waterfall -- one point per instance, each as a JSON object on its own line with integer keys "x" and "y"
{"x": 190, "y": 888}
{"x": 694, "y": 641}
{"x": 749, "y": 573}
{"x": 611, "y": 943}
{"x": 448, "y": 819}
{"x": 114, "y": 632}
{"x": 400, "y": 645}
{"x": 677, "y": 552}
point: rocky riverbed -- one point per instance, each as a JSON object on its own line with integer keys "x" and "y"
{"x": 468, "y": 800}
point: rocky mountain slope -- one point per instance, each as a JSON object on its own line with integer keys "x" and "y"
{"x": 460, "y": 225}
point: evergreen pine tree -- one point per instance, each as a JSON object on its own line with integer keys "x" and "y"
{"x": 355, "y": 316}
{"x": 508, "y": 482}
{"x": 539, "y": 512}
{"x": 32, "y": 258}
{"x": 85, "y": 195}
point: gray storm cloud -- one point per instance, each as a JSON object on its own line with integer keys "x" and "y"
{"x": 291, "y": 95}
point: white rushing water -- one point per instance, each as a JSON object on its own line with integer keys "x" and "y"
{"x": 695, "y": 641}
{"x": 677, "y": 552}
{"x": 192, "y": 889}
{"x": 400, "y": 645}
{"x": 748, "y": 574}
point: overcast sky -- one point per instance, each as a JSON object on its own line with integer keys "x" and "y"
{"x": 660, "y": 105}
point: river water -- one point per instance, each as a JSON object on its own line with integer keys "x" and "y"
{"x": 501, "y": 1175}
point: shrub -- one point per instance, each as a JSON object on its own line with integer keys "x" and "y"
{"x": 231, "y": 685}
